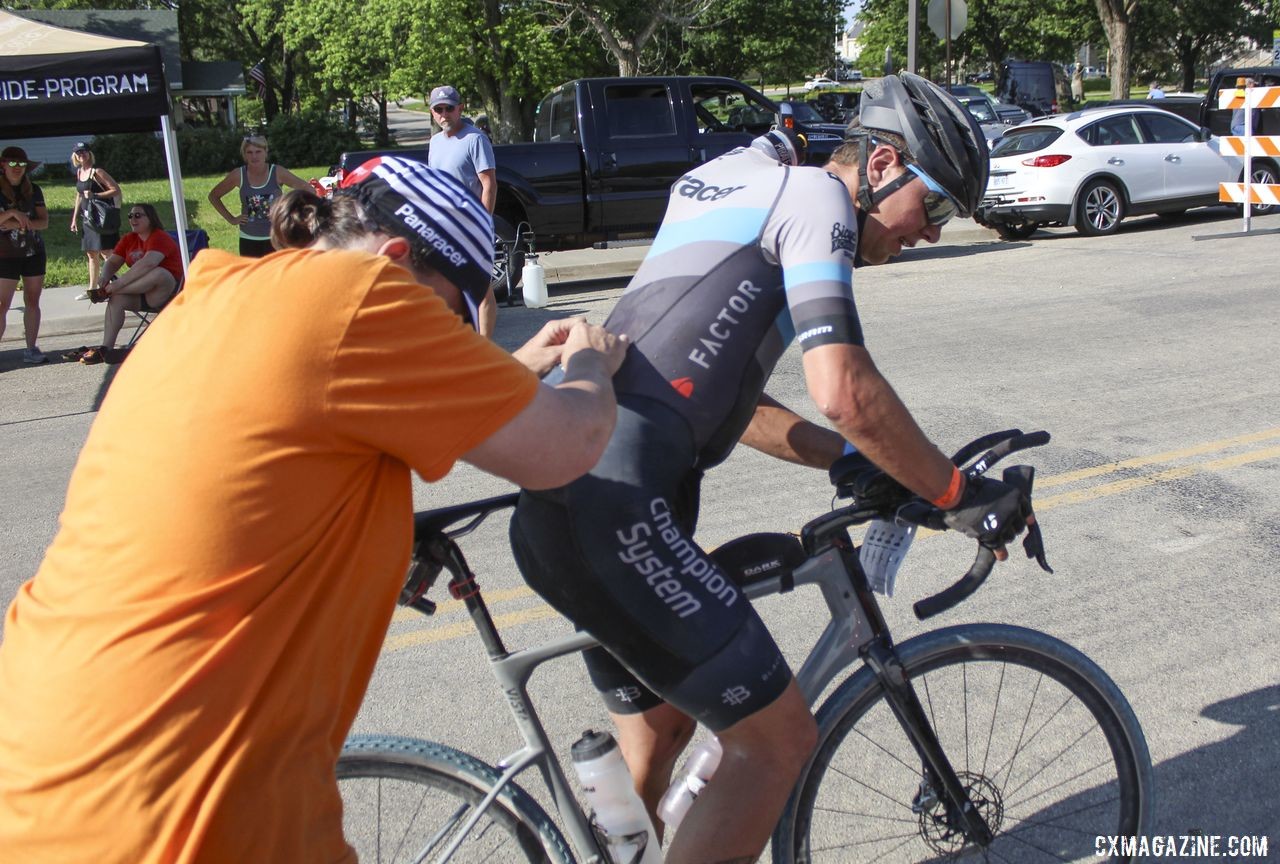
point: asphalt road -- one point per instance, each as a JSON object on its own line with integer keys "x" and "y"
{"x": 1150, "y": 356}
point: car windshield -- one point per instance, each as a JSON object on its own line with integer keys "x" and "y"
{"x": 805, "y": 113}
{"x": 1025, "y": 140}
{"x": 980, "y": 109}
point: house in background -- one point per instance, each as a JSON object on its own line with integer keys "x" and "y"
{"x": 207, "y": 90}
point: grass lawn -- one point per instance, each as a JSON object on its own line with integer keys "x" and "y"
{"x": 69, "y": 266}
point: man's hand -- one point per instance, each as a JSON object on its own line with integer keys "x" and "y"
{"x": 583, "y": 337}
{"x": 990, "y": 511}
{"x": 543, "y": 352}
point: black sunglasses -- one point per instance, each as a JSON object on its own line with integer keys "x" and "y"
{"x": 12, "y": 164}
{"x": 138, "y": 215}
{"x": 444, "y": 109}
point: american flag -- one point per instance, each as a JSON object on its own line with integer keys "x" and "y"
{"x": 259, "y": 73}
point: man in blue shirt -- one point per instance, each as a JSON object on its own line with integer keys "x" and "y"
{"x": 460, "y": 149}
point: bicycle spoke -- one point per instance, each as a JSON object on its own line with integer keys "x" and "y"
{"x": 1052, "y": 761}
{"x": 995, "y": 711}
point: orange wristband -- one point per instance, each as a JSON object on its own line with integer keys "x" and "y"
{"x": 955, "y": 489}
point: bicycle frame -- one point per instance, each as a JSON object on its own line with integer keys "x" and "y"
{"x": 856, "y": 630}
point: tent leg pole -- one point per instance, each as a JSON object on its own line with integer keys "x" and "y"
{"x": 175, "y": 188}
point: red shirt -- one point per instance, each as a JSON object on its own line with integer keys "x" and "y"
{"x": 132, "y": 247}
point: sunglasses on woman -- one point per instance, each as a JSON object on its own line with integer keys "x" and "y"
{"x": 138, "y": 215}
{"x": 15, "y": 164}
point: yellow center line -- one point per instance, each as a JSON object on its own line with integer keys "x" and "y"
{"x": 462, "y": 628}
{"x": 1043, "y": 504}
{"x": 1140, "y": 461}
{"x": 447, "y": 607}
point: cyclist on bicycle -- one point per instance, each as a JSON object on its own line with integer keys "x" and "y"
{"x": 753, "y": 253}
{"x": 177, "y": 680}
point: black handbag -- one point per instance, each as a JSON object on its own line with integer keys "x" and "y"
{"x": 101, "y": 217}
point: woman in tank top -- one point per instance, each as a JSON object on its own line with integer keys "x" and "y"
{"x": 93, "y": 182}
{"x": 260, "y": 183}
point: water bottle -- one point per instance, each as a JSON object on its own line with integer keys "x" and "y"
{"x": 619, "y": 813}
{"x": 883, "y": 549}
{"x": 698, "y": 768}
{"x": 535, "y": 282}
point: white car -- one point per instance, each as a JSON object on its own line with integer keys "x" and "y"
{"x": 820, "y": 83}
{"x": 1092, "y": 168}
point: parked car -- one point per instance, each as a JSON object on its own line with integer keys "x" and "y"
{"x": 992, "y": 129}
{"x": 820, "y": 82}
{"x": 851, "y": 75}
{"x": 1005, "y": 112}
{"x": 1037, "y": 87}
{"x": 815, "y": 126}
{"x": 1091, "y": 169}
{"x": 1091, "y": 72}
{"x": 981, "y": 77}
{"x": 836, "y": 107}
{"x": 1218, "y": 120}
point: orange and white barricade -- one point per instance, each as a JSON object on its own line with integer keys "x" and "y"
{"x": 1249, "y": 146}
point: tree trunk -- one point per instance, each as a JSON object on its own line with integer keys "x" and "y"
{"x": 1115, "y": 16}
{"x": 382, "y": 138}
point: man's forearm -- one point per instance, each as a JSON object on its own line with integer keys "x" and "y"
{"x": 778, "y": 431}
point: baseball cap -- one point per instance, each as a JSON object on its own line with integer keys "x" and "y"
{"x": 435, "y": 213}
{"x": 444, "y": 95}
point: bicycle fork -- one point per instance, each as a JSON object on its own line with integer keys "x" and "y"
{"x": 940, "y": 778}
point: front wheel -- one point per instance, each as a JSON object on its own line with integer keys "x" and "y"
{"x": 1100, "y": 209}
{"x": 404, "y": 800}
{"x": 1045, "y": 744}
{"x": 1263, "y": 173}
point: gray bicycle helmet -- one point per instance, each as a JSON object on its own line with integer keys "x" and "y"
{"x": 941, "y": 136}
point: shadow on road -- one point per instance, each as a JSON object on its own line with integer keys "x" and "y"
{"x": 1231, "y": 786}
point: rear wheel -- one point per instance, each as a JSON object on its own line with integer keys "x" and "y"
{"x": 1046, "y": 746}
{"x": 1099, "y": 209}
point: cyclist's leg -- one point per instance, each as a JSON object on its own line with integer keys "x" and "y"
{"x": 733, "y": 817}
{"x": 651, "y": 733}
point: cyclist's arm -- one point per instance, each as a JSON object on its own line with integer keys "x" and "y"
{"x": 780, "y": 432}
{"x": 860, "y": 403}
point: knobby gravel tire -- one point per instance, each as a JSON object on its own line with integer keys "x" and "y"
{"x": 1044, "y": 741}
{"x": 402, "y": 799}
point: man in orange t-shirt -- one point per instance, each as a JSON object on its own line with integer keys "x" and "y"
{"x": 177, "y": 680}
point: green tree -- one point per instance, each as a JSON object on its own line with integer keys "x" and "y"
{"x": 628, "y": 29}
{"x": 1175, "y": 38}
{"x": 1028, "y": 29}
{"x": 739, "y": 37}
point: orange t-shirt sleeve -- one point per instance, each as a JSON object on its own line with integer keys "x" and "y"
{"x": 412, "y": 380}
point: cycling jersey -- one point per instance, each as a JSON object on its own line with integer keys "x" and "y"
{"x": 751, "y": 255}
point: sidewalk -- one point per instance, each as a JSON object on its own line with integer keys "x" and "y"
{"x": 61, "y": 314}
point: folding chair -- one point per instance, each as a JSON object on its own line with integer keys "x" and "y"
{"x": 197, "y": 239}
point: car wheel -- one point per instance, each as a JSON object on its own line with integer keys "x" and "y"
{"x": 1021, "y": 231}
{"x": 1099, "y": 209}
{"x": 1263, "y": 173}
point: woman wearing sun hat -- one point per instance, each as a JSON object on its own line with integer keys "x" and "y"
{"x": 22, "y": 217}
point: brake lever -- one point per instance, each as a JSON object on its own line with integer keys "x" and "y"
{"x": 1023, "y": 477}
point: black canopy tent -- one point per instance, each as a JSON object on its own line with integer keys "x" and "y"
{"x": 60, "y": 82}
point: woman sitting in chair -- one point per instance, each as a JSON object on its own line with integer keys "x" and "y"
{"x": 153, "y": 277}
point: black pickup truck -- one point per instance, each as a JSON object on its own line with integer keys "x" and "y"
{"x": 606, "y": 151}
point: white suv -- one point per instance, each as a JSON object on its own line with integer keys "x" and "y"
{"x": 1092, "y": 168}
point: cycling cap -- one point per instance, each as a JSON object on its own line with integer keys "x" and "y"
{"x": 941, "y": 136}
{"x": 435, "y": 213}
{"x": 785, "y": 145}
